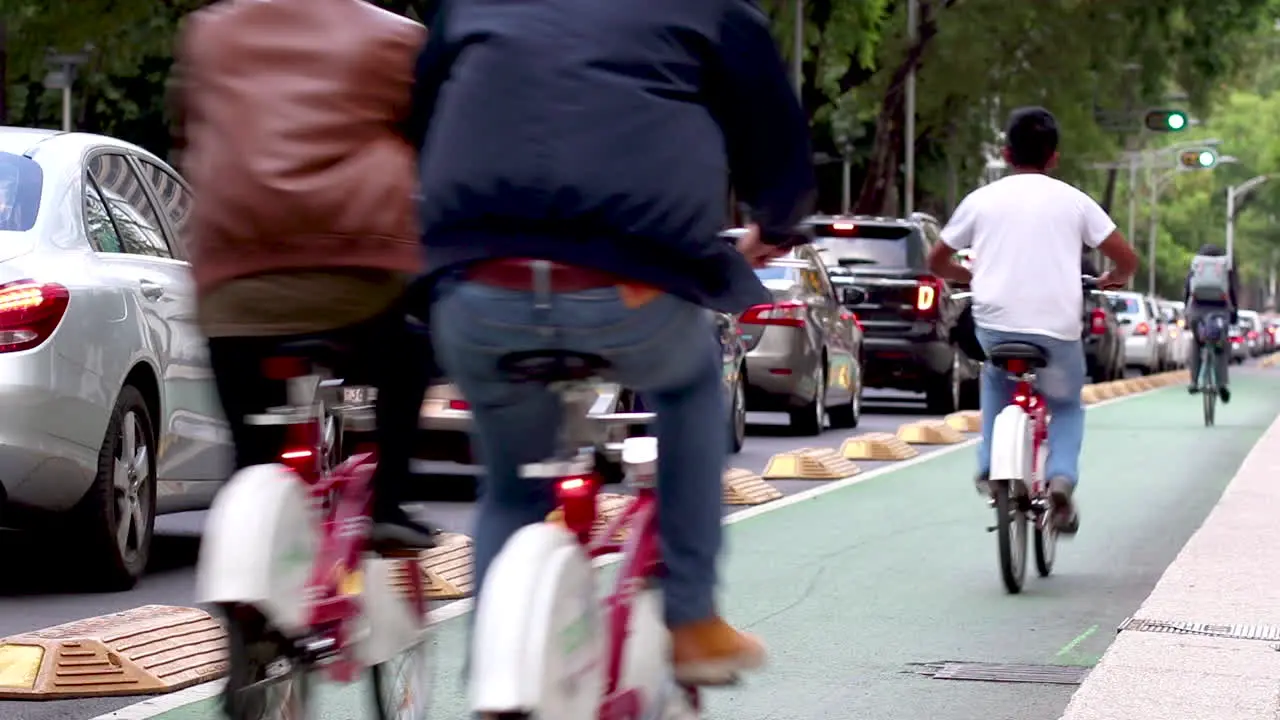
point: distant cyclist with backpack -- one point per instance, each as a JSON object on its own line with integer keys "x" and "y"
{"x": 1211, "y": 303}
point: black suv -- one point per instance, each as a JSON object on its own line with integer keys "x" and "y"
{"x": 907, "y": 314}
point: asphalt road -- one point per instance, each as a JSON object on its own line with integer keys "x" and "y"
{"x": 35, "y": 594}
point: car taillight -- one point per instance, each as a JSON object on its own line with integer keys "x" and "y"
{"x": 301, "y": 461}
{"x": 460, "y": 405}
{"x": 29, "y": 313}
{"x": 789, "y": 313}
{"x": 1236, "y": 339}
{"x": 846, "y": 315}
{"x": 1098, "y": 322}
{"x": 1141, "y": 329}
{"x": 1253, "y": 334}
{"x": 927, "y": 295}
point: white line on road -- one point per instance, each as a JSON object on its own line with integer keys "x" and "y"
{"x": 162, "y": 704}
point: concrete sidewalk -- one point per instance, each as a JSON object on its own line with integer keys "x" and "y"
{"x": 1225, "y": 582}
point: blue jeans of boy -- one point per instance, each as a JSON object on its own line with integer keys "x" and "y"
{"x": 666, "y": 349}
{"x": 1059, "y": 383}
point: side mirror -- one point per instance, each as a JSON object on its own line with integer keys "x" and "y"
{"x": 850, "y": 295}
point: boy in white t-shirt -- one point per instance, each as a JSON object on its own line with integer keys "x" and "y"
{"x": 1027, "y": 232}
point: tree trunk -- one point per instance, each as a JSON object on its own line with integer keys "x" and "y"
{"x": 882, "y": 169}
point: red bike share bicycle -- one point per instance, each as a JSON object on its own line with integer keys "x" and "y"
{"x": 286, "y": 559}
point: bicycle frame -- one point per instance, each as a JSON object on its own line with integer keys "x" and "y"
{"x": 1209, "y": 365}
{"x": 1026, "y": 397}
{"x": 640, "y": 563}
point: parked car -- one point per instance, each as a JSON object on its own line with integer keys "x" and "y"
{"x": 1138, "y": 324}
{"x": 1239, "y": 344}
{"x": 907, "y": 314}
{"x": 1270, "y": 329}
{"x": 1251, "y": 324}
{"x": 1180, "y": 344}
{"x": 111, "y": 415}
{"x": 804, "y": 350}
{"x": 1103, "y": 339}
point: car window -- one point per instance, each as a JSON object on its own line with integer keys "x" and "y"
{"x": 174, "y": 200}
{"x": 853, "y": 245}
{"x": 98, "y": 226}
{"x": 130, "y": 209}
{"x": 21, "y": 182}
{"x": 1126, "y": 305}
{"x": 772, "y": 273}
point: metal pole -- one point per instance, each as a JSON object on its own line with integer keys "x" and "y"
{"x": 1151, "y": 237}
{"x": 797, "y": 54}
{"x": 1231, "y": 223}
{"x": 66, "y": 103}
{"x": 846, "y": 198}
{"x": 1131, "y": 234}
{"x": 909, "y": 123}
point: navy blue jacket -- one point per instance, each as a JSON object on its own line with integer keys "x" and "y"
{"x": 604, "y": 134}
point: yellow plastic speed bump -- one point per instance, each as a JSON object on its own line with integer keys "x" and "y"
{"x": 877, "y": 446}
{"x": 144, "y": 651}
{"x": 809, "y": 464}
{"x": 1104, "y": 391}
{"x": 743, "y": 487}
{"x": 1089, "y": 394}
{"x": 965, "y": 421}
{"x": 608, "y": 507}
{"x": 929, "y": 432}
{"x": 448, "y": 569}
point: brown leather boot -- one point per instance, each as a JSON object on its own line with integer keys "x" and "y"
{"x": 712, "y": 652}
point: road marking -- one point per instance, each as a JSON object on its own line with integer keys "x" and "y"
{"x": 1078, "y": 639}
{"x": 149, "y": 709}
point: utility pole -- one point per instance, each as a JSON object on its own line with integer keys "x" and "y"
{"x": 909, "y": 122}
{"x": 1151, "y": 235}
{"x": 1133, "y": 199}
{"x": 1234, "y": 193}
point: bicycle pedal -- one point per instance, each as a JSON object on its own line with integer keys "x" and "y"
{"x": 992, "y": 528}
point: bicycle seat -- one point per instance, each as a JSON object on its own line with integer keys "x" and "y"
{"x": 551, "y": 366}
{"x": 1033, "y": 355}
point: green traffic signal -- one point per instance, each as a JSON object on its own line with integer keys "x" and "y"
{"x": 1166, "y": 121}
{"x": 1198, "y": 159}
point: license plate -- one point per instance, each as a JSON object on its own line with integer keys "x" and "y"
{"x": 355, "y": 395}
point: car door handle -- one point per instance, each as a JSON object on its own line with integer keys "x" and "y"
{"x": 151, "y": 290}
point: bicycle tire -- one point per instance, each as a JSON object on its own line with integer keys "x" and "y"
{"x": 1210, "y": 400}
{"x": 1011, "y": 536}
{"x": 386, "y": 685}
{"x": 1046, "y": 545}
{"x": 256, "y": 690}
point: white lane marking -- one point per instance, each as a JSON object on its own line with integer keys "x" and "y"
{"x": 164, "y": 703}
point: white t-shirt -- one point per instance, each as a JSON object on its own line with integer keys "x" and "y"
{"x": 1027, "y": 233}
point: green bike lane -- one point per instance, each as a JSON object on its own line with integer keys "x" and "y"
{"x": 851, "y": 587}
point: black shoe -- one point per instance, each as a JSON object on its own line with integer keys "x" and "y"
{"x": 1224, "y": 394}
{"x": 393, "y": 530}
{"x": 1065, "y": 518}
{"x": 1192, "y": 389}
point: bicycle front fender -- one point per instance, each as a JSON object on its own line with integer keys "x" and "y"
{"x": 1011, "y": 445}
{"x": 259, "y": 546}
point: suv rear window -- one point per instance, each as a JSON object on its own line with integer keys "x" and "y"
{"x": 853, "y": 245}
{"x": 21, "y": 181}
{"x": 1126, "y": 305}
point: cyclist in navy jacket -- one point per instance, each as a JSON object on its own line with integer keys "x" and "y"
{"x": 602, "y": 136}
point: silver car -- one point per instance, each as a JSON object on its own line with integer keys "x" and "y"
{"x": 1140, "y": 327}
{"x": 110, "y": 410}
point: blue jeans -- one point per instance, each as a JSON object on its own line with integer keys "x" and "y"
{"x": 666, "y": 349}
{"x": 1060, "y": 383}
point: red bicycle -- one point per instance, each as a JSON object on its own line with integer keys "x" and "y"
{"x": 285, "y": 557}
{"x": 1019, "y": 489}
{"x": 544, "y": 644}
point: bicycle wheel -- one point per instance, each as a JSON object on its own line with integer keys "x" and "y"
{"x": 1046, "y": 534}
{"x": 402, "y": 685}
{"x": 265, "y": 681}
{"x": 1011, "y": 535}
{"x": 1210, "y": 396}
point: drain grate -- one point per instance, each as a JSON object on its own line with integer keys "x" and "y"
{"x": 1177, "y": 627}
{"x": 1002, "y": 672}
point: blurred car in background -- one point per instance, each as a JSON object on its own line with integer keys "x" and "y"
{"x": 1142, "y": 349}
{"x": 1180, "y": 344}
{"x": 1239, "y": 344}
{"x": 907, "y": 314}
{"x": 1270, "y": 329}
{"x": 1251, "y": 325}
{"x": 1103, "y": 339}
{"x": 804, "y": 350}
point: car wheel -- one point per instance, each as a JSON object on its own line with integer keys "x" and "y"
{"x": 113, "y": 523}
{"x": 847, "y": 417}
{"x": 738, "y": 415}
{"x": 809, "y": 419}
{"x": 943, "y": 393}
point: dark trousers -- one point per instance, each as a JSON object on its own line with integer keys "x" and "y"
{"x": 1196, "y": 314}
{"x": 384, "y": 352}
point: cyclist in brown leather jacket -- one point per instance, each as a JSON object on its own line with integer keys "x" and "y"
{"x": 304, "y": 223}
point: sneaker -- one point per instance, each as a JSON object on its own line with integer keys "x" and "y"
{"x": 1224, "y": 394}
{"x": 393, "y": 530}
{"x": 712, "y": 652}
{"x": 983, "y": 484}
{"x": 1192, "y": 389}
{"x": 1066, "y": 519}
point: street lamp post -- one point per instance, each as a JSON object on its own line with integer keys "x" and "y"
{"x": 1235, "y": 192}
{"x": 62, "y": 76}
{"x": 909, "y": 122}
{"x": 797, "y": 55}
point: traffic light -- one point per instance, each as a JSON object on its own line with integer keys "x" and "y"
{"x": 1167, "y": 121}
{"x": 1197, "y": 159}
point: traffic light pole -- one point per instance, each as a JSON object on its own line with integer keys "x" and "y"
{"x": 1235, "y": 192}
